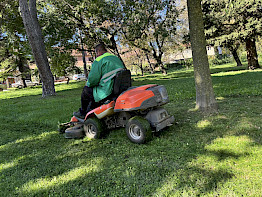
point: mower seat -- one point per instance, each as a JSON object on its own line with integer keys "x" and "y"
{"x": 122, "y": 82}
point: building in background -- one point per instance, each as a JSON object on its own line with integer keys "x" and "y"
{"x": 187, "y": 54}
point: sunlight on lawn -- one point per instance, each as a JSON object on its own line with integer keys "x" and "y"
{"x": 18, "y": 143}
{"x": 56, "y": 181}
{"x": 236, "y": 72}
{"x": 226, "y": 163}
{"x": 220, "y": 98}
{"x": 203, "y": 123}
{"x": 4, "y": 166}
{"x": 28, "y": 139}
{"x": 37, "y": 90}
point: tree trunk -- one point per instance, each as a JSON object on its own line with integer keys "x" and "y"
{"x": 164, "y": 72}
{"x": 141, "y": 67}
{"x": 34, "y": 33}
{"x": 152, "y": 69}
{"x": 84, "y": 61}
{"x": 160, "y": 64}
{"x": 205, "y": 98}
{"x": 158, "y": 58}
{"x": 92, "y": 56}
{"x": 252, "y": 57}
{"x": 22, "y": 69}
{"x": 114, "y": 47}
{"x": 83, "y": 53}
{"x": 235, "y": 55}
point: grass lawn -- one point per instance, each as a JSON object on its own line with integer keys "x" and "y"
{"x": 219, "y": 155}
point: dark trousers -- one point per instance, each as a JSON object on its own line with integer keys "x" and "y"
{"x": 87, "y": 100}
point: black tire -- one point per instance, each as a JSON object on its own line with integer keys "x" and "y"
{"x": 93, "y": 128}
{"x": 138, "y": 130}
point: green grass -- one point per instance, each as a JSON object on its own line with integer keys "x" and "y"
{"x": 198, "y": 156}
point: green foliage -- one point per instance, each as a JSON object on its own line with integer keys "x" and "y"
{"x": 220, "y": 60}
{"x": 85, "y": 22}
{"x": 198, "y": 156}
{"x": 62, "y": 63}
{"x": 14, "y": 49}
{"x": 188, "y": 63}
{"x": 150, "y": 26}
{"x": 229, "y": 21}
{"x": 59, "y": 31}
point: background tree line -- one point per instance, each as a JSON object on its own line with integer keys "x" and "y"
{"x": 151, "y": 27}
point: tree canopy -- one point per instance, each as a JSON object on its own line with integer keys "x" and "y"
{"x": 229, "y": 23}
{"x": 14, "y": 49}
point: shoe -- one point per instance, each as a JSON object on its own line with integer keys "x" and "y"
{"x": 79, "y": 114}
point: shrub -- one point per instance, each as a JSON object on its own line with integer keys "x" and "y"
{"x": 180, "y": 64}
{"x": 219, "y": 60}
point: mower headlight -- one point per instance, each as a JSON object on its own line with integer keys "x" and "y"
{"x": 163, "y": 93}
{"x": 160, "y": 92}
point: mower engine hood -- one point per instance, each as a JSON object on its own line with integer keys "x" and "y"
{"x": 142, "y": 97}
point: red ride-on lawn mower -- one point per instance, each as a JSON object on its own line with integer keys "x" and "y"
{"x": 138, "y": 109}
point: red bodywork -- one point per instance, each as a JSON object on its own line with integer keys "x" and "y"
{"x": 129, "y": 100}
{"x": 134, "y": 98}
{"x": 99, "y": 110}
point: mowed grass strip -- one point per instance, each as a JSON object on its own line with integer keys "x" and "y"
{"x": 198, "y": 156}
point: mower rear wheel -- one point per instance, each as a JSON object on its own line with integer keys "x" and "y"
{"x": 93, "y": 128}
{"x": 138, "y": 130}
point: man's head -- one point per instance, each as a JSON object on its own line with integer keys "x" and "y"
{"x": 100, "y": 49}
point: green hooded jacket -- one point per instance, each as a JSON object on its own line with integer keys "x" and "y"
{"x": 101, "y": 75}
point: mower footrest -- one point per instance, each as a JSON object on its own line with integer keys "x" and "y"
{"x": 165, "y": 123}
{"x": 159, "y": 118}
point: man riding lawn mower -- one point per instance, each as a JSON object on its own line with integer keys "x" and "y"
{"x": 108, "y": 101}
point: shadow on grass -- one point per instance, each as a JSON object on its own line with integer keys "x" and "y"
{"x": 225, "y": 154}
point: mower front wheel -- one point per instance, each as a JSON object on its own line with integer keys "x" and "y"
{"x": 93, "y": 128}
{"x": 138, "y": 130}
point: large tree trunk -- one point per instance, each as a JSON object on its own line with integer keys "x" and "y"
{"x": 34, "y": 33}
{"x": 205, "y": 98}
{"x": 252, "y": 57}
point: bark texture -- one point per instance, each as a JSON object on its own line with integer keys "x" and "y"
{"x": 252, "y": 57}
{"x": 205, "y": 98}
{"x": 152, "y": 69}
{"x": 84, "y": 61}
{"x": 34, "y": 33}
{"x": 235, "y": 55}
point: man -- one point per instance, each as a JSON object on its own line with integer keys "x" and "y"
{"x": 100, "y": 80}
